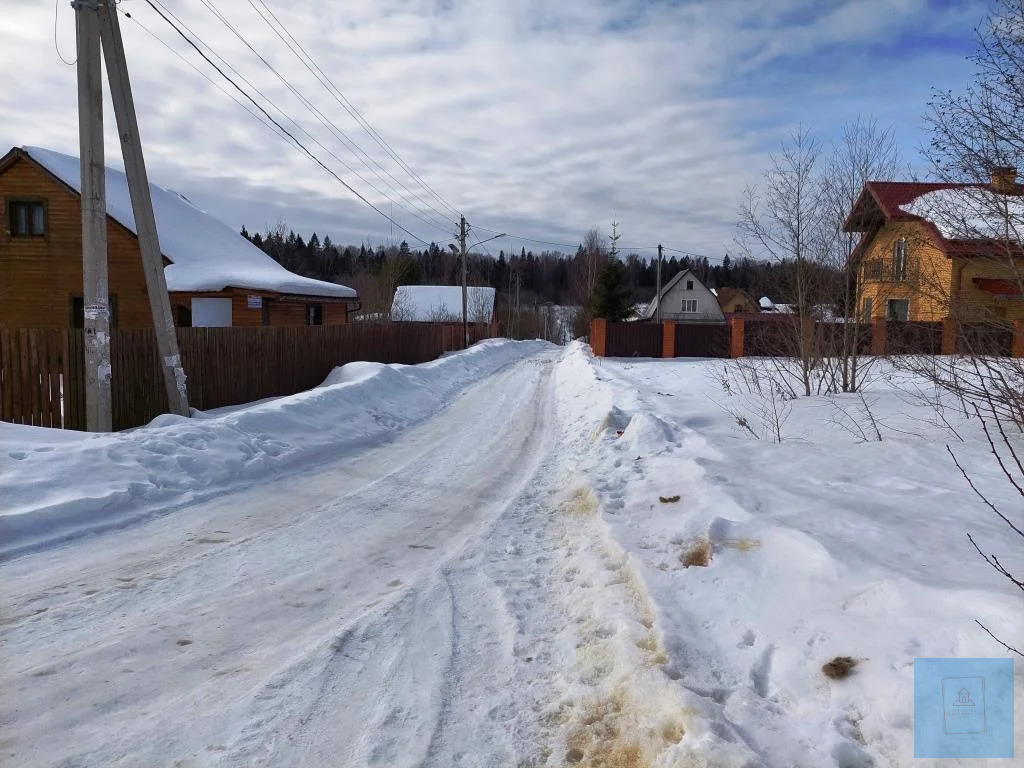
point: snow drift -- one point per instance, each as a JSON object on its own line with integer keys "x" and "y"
{"x": 111, "y": 480}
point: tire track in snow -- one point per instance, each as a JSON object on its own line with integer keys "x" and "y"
{"x": 434, "y": 671}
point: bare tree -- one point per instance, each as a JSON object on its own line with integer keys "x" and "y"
{"x": 481, "y": 305}
{"x": 866, "y": 152}
{"x": 586, "y": 266}
{"x": 978, "y": 136}
{"x": 783, "y": 219}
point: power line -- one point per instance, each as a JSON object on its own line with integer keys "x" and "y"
{"x": 333, "y": 89}
{"x": 337, "y": 132}
{"x": 280, "y": 127}
{"x": 299, "y": 128}
{"x": 203, "y": 74}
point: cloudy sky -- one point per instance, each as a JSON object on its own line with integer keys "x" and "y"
{"x": 540, "y": 118}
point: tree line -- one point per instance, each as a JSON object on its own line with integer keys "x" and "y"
{"x": 521, "y": 280}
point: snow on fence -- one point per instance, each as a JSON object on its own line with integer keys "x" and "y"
{"x": 42, "y": 378}
{"x": 751, "y": 335}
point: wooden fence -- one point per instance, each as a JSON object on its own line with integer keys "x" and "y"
{"x": 42, "y": 378}
{"x": 754, "y": 335}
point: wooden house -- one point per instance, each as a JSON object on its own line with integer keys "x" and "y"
{"x": 215, "y": 277}
{"x": 733, "y": 300}
{"x": 685, "y": 299}
{"x": 934, "y": 250}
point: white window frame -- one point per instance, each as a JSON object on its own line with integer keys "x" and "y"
{"x": 889, "y": 314}
{"x": 899, "y": 259}
{"x": 688, "y": 306}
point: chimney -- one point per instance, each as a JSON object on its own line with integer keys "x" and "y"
{"x": 1004, "y": 180}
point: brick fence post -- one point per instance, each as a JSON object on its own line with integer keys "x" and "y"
{"x": 668, "y": 339}
{"x": 878, "y": 334}
{"x": 736, "y": 328}
{"x": 1017, "y": 345}
{"x": 599, "y": 336}
{"x": 949, "y": 332}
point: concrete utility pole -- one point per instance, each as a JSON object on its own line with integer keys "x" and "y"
{"x": 142, "y": 207}
{"x": 657, "y": 281}
{"x": 95, "y": 286}
{"x": 465, "y": 289}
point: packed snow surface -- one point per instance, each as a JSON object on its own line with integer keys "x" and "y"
{"x": 514, "y": 556}
{"x": 207, "y": 254}
{"x": 427, "y": 303}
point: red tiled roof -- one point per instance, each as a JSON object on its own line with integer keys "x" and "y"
{"x": 890, "y": 195}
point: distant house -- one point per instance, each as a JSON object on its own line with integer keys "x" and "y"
{"x": 442, "y": 304}
{"x": 733, "y": 300}
{"x": 685, "y": 299}
{"x": 215, "y": 277}
{"x": 934, "y": 250}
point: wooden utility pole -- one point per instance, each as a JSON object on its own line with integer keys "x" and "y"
{"x": 465, "y": 288}
{"x": 95, "y": 286}
{"x": 142, "y": 208}
{"x": 657, "y": 282}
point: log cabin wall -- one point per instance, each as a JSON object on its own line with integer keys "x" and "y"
{"x": 40, "y": 274}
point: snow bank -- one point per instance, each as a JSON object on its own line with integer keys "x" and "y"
{"x": 112, "y": 480}
{"x": 822, "y": 545}
{"x": 207, "y": 254}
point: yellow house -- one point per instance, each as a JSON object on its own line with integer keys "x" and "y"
{"x": 935, "y": 250}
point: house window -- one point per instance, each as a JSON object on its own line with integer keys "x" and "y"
{"x": 738, "y": 308}
{"x": 869, "y": 306}
{"x": 77, "y": 319}
{"x": 689, "y": 285}
{"x": 899, "y": 259}
{"x": 689, "y": 306}
{"x": 27, "y": 218}
{"x": 873, "y": 269}
{"x": 182, "y": 316}
{"x": 897, "y": 310}
{"x": 314, "y": 314}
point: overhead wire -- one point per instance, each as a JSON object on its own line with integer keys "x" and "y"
{"x": 340, "y": 134}
{"x": 333, "y": 89}
{"x": 269, "y": 126}
{"x": 280, "y": 127}
{"x": 275, "y": 126}
{"x": 298, "y": 127}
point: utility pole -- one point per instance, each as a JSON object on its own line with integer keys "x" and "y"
{"x": 142, "y": 207}
{"x": 465, "y": 289}
{"x": 657, "y": 281}
{"x": 95, "y": 285}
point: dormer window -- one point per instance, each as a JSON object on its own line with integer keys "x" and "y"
{"x": 899, "y": 259}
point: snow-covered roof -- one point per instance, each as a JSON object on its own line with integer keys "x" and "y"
{"x": 206, "y": 254}
{"x": 971, "y": 213}
{"x": 425, "y": 303}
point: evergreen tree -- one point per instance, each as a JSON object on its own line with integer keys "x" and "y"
{"x": 611, "y": 298}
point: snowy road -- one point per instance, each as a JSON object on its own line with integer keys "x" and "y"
{"x": 381, "y": 610}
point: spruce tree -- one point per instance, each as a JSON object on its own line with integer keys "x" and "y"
{"x": 611, "y": 298}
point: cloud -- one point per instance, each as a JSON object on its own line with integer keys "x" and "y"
{"x": 536, "y": 117}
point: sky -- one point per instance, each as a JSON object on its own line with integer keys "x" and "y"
{"x": 535, "y": 118}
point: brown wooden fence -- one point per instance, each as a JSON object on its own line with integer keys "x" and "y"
{"x": 634, "y": 340}
{"x": 42, "y": 379}
{"x": 702, "y": 340}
